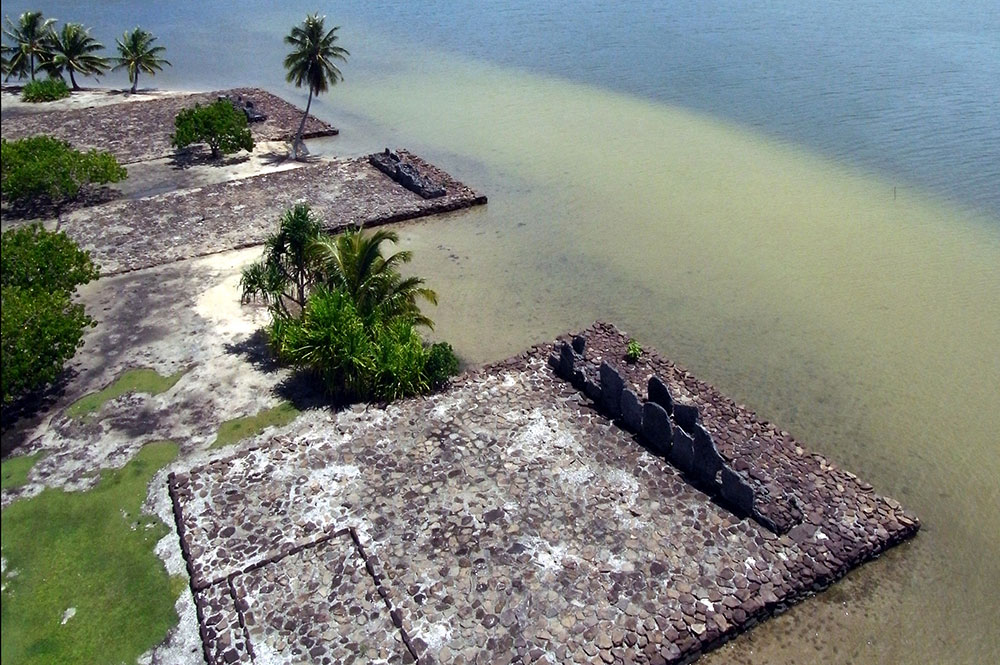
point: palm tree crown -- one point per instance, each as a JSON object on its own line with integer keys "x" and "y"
{"x": 136, "y": 53}
{"x": 74, "y": 50}
{"x": 31, "y": 35}
{"x": 311, "y": 62}
{"x": 353, "y": 263}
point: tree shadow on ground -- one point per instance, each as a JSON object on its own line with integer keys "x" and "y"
{"x": 19, "y": 419}
{"x": 185, "y": 159}
{"x": 256, "y": 350}
{"x": 301, "y": 388}
{"x": 44, "y": 208}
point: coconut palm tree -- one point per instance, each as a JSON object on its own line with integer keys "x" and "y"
{"x": 311, "y": 62}
{"x": 353, "y": 263}
{"x": 74, "y": 50}
{"x": 32, "y": 36}
{"x": 136, "y": 53}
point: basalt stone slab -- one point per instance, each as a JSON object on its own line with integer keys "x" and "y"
{"x": 566, "y": 361}
{"x": 707, "y": 462}
{"x": 682, "y": 451}
{"x": 685, "y": 416}
{"x": 591, "y": 387}
{"x": 656, "y": 428}
{"x": 737, "y": 492}
{"x": 611, "y": 389}
{"x": 579, "y": 344}
{"x": 660, "y": 393}
{"x": 631, "y": 409}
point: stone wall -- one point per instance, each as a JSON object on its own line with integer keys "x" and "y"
{"x": 671, "y": 427}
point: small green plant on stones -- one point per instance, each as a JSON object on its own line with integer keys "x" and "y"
{"x": 633, "y": 351}
{"x": 219, "y": 125}
{"x": 45, "y": 90}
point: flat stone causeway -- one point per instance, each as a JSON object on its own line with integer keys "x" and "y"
{"x": 507, "y": 520}
{"x": 138, "y": 131}
{"x": 133, "y": 234}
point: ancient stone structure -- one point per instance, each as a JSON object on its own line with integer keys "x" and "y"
{"x": 406, "y": 173}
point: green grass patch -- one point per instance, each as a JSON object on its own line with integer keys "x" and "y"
{"x": 238, "y": 429}
{"x": 91, "y": 551}
{"x": 14, "y": 470}
{"x": 132, "y": 381}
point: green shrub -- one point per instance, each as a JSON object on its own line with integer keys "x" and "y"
{"x": 41, "y": 326}
{"x": 442, "y": 364}
{"x": 45, "y": 167}
{"x": 220, "y": 125}
{"x": 633, "y": 351}
{"x": 45, "y": 90}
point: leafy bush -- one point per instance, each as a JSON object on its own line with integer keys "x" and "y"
{"x": 633, "y": 351}
{"x": 41, "y": 326}
{"x": 220, "y": 125}
{"x": 355, "y": 358}
{"x": 442, "y": 364}
{"x": 45, "y": 90}
{"x": 45, "y": 167}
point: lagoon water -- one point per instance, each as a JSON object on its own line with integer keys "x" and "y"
{"x": 800, "y": 203}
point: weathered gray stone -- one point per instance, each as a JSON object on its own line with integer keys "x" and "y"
{"x": 682, "y": 450}
{"x": 685, "y": 416}
{"x": 656, "y": 428}
{"x": 579, "y": 344}
{"x": 612, "y": 385}
{"x": 631, "y": 409}
{"x": 737, "y": 492}
{"x": 707, "y": 461}
{"x": 591, "y": 388}
{"x": 660, "y": 394}
{"x": 566, "y": 361}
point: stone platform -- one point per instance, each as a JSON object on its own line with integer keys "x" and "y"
{"x": 138, "y": 131}
{"x": 509, "y": 520}
{"x": 133, "y": 234}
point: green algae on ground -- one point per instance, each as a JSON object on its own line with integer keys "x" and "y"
{"x": 238, "y": 429}
{"x": 132, "y": 381}
{"x": 14, "y": 470}
{"x": 81, "y": 581}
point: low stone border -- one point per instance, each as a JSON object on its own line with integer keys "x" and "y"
{"x": 139, "y": 131}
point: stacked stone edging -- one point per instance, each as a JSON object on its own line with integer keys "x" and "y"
{"x": 671, "y": 428}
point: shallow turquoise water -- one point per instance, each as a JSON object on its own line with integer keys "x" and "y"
{"x": 798, "y": 203}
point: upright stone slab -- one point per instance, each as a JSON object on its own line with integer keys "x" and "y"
{"x": 579, "y": 344}
{"x": 685, "y": 416}
{"x": 659, "y": 393}
{"x": 612, "y": 385}
{"x": 631, "y": 409}
{"x": 656, "y": 428}
{"x": 682, "y": 451}
{"x": 592, "y": 387}
{"x": 566, "y": 361}
{"x": 737, "y": 492}
{"x": 707, "y": 461}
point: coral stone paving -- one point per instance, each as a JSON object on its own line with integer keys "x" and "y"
{"x": 134, "y": 234}
{"x": 137, "y": 131}
{"x": 506, "y": 520}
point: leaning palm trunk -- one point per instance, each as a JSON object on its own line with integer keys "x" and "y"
{"x": 302, "y": 126}
{"x": 135, "y": 82}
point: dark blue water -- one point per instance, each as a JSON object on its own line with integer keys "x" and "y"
{"x": 908, "y": 89}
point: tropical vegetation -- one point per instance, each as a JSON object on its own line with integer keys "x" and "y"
{"x": 311, "y": 62}
{"x": 46, "y": 169}
{"x": 32, "y": 36}
{"x": 341, "y": 310}
{"x": 41, "y": 326}
{"x": 44, "y": 90}
{"x": 136, "y": 54}
{"x": 219, "y": 125}
{"x": 74, "y": 51}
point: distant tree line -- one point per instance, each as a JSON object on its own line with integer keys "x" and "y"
{"x": 37, "y": 46}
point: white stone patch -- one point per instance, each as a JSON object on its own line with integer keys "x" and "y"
{"x": 540, "y": 438}
{"x": 546, "y": 555}
{"x": 67, "y": 615}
